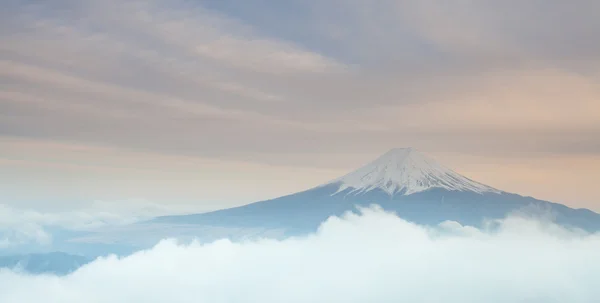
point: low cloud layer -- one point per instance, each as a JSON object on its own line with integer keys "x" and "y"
{"x": 376, "y": 257}
{"x": 30, "y": 227}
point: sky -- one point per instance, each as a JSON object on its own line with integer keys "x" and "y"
{"x": 222, "y": 103}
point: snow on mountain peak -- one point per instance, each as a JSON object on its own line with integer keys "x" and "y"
{"x": 406, "y": 171}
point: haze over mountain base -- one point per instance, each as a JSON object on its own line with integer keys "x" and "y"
{"x": 374, "y": 257}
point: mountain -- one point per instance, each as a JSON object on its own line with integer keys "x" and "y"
{"x": 57, "y": 263}
{"x": 402, "y": 180}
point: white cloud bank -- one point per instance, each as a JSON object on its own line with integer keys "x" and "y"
{"x": 376, "y": 257}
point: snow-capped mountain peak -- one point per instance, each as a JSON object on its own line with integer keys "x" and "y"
{"x": 406, "y": 171}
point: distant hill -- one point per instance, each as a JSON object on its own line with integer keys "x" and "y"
{"x": 44, "y": 263}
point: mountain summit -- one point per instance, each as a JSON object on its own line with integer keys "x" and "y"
{"x": 406, "y": 171}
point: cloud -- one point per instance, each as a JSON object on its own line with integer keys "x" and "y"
{"x": 488, "y": 33}
{"x": 147, "y": 74}
{"x": 263, "y": 56}
{"x": 375, "y": 257}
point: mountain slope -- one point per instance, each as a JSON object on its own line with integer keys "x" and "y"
{"x": 405, "y": 181}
